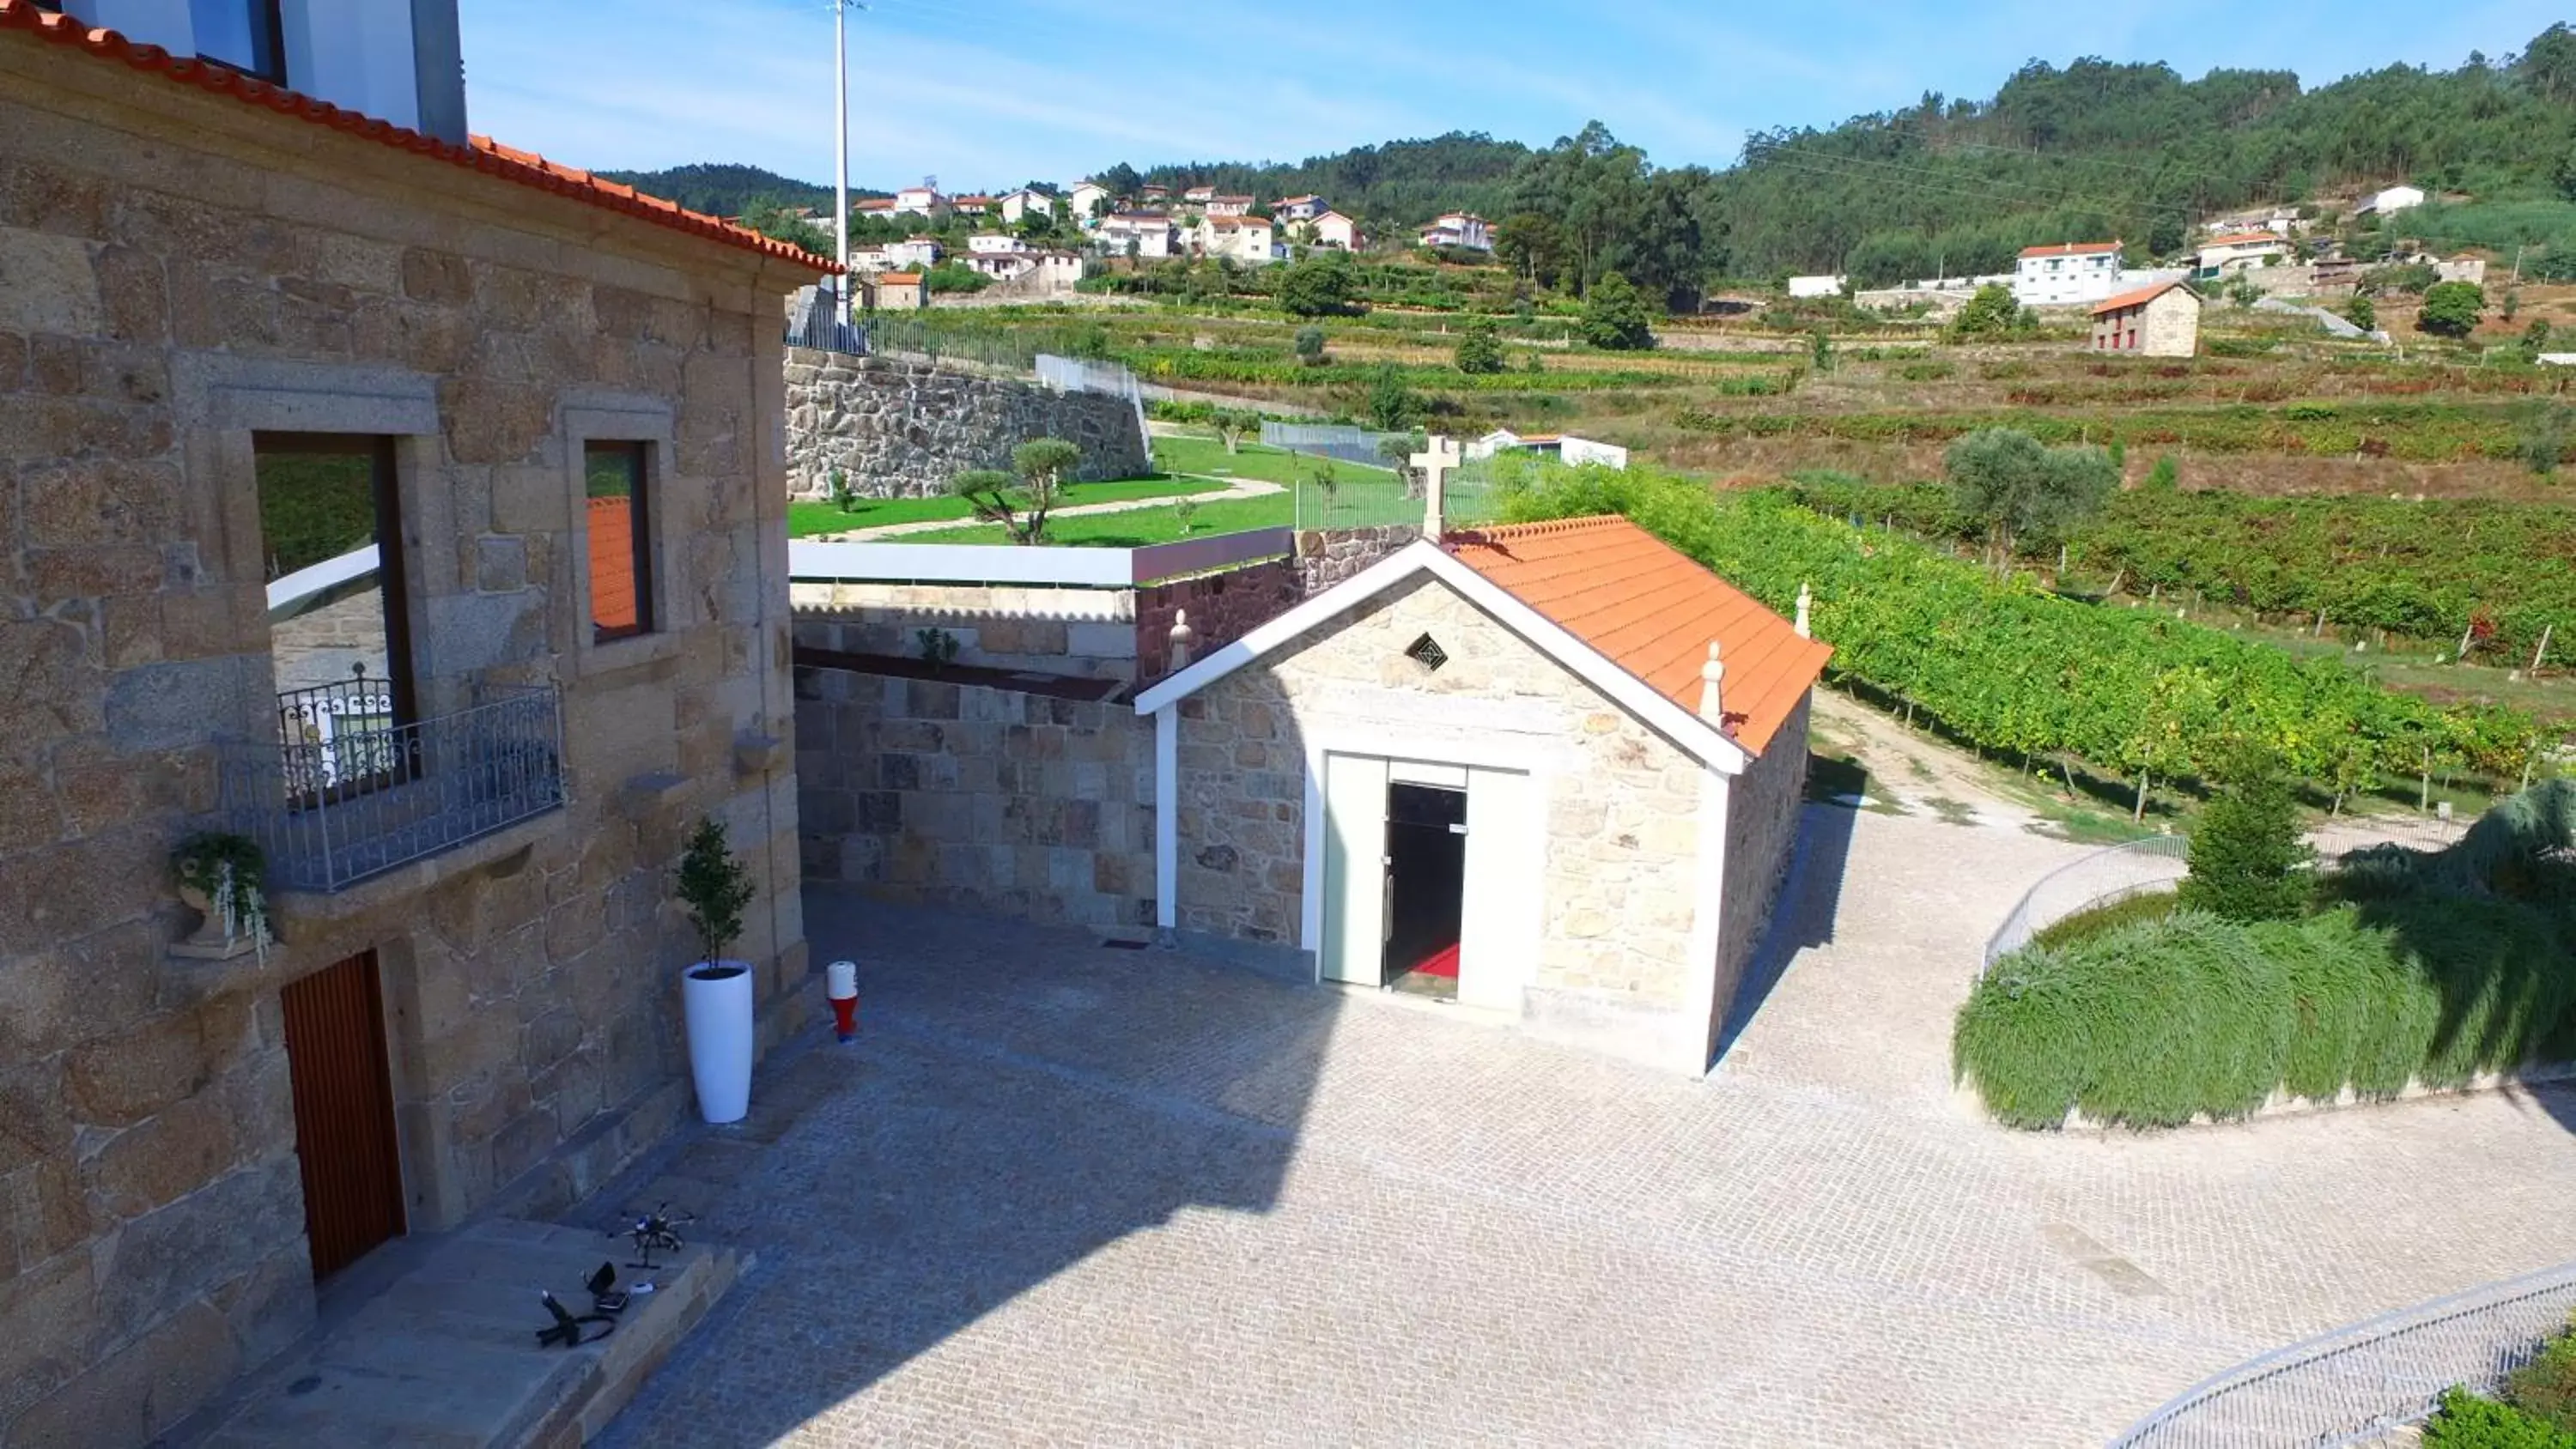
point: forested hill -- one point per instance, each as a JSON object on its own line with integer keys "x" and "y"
{"x": 1392, "y": 185}
{"x": 2134, "y": 151}
{"x": 726, "y": 190}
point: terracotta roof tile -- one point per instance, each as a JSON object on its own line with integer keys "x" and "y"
{"x": 1651, "y": 610}
{"x": 2072, "y": 249}
{"x": 2244, "y": 238}
{"x": 483, "y": 154}
{"x": 2138, "y": 298}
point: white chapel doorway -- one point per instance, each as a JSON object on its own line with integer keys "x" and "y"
{"x": 1431, "y": 879}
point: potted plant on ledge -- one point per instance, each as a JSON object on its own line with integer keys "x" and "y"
{"x": 716, "y": 992}
{"x": 223, "y": 878}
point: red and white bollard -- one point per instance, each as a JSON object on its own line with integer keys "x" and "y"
{"x": 841, "y": 984}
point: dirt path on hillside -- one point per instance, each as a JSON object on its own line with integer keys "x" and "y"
{"x": 1909, "y": 772}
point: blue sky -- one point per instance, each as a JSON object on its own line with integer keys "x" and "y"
{"x": 989, "y": 93}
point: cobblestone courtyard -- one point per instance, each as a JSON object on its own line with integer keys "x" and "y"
{"x": 1065, "y": 1194}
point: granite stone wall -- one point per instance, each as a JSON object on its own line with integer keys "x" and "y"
{"x": 177, "y": 272}
{"x": 979, "y": 797}
{"x": 1325, "y": 558}
{"x": 1221, "y": 607}
{"x": 1763, "y": 806}
{"x": 901, "y": 429}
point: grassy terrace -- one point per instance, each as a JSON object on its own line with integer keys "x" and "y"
{"x": 804, "y": 520}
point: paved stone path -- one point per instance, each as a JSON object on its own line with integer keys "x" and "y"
{"x": 1066, "y": 1194}
{"x": 1239, "y": 488}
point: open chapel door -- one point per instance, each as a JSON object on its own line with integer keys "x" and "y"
{"x": 1354, "y": 869}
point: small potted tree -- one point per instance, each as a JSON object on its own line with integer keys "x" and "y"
{"x": 716, "y": 992}
{"x": 223, "y": 878}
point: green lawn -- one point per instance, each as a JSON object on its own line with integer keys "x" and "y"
{"x": 1187, "y": 454}
{"x": 807, "y": 519}
{"x": 1136, "y": 527}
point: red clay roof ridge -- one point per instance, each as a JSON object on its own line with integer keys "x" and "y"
{"x": 481, "y": 153}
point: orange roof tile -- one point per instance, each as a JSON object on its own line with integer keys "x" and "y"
{"x": 1648, "y": 608}
{"x": 2072, "y": 249}
{"x": 2243, "y": 238}
{"x": 899, "y": 278}
{"x": 483, "y": 154}
{"x": 2138, "y": 298}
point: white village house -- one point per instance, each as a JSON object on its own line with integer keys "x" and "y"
{"x": 1818, "y": 286}
{"x": 1298, "y": 208}
{"x": 914, "y": 253}
{"x": 2066, "y": 274}
{"x": 1459, "y": 229}
{"x": 1332, "y": 229}
{"x": 1137, "y": 233}
{"x": 2236, "y": 251}
{"x": 1562, "y": 447}
{"x": 2391, "y": 199}
{"x": 991, "y": 243}
{"x": 922, "y": 200}
{"x": 1229, "y": 206}
{"x": 1086, "y": 197}
{"x": 1016, "y": 205}
{"x": 1551, "y": 770}
{"x": 1246, "y": 239}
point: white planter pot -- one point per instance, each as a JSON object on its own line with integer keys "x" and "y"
{"x": 717, "y": 997}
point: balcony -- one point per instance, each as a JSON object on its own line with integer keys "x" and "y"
{"x": 343, "y": 792}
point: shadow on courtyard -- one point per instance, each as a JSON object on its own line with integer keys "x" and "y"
{"x": 1018, "y": 1099}
{"x": 1810, "y": 898}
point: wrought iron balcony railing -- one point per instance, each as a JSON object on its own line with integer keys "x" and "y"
{"x": 343, "y": 793}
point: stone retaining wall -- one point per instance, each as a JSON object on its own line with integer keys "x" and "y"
{"x": 969, "y": 795}
{"x": 901, "y": 429}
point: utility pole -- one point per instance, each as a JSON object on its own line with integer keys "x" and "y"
{"x": 841, "y": 157}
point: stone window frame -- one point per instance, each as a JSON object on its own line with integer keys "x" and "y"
{"x": 585, "y": 418}
{"x": 220, "y": 402}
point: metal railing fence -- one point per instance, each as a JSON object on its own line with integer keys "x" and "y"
{"x": 1328, "y": 440}
{"x": 2358, "y": 1384}
{"x": 334, "y": 803}
{"x": 2107, "y": 877}
{"x": 813, "y": 321}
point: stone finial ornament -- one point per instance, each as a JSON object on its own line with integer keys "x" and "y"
{"x": 1182, "y": 637}
{"x": 1711, "y": 676}
{"x": 1806, "y": 604}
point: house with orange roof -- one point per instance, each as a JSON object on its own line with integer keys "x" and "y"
{"x": 402, "y": 580}
{"x": 1246, "y": 239}
{"x": 2237, "y": 250}
{"x": 1552, "y": 770}
{"x": 2066, "y": 274}
{"x": 2158, "y": 320}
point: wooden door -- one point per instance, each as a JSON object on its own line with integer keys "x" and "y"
{"x": 1355, "y": 869}
{"x": 344, "y": 1112}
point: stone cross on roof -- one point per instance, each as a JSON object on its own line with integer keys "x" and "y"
{"x": 1439, "y": 459}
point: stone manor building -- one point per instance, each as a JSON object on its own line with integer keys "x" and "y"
{"x": 413, "y": 508}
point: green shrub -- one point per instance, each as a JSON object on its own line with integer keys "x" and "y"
{"x": 1480, "y": 349}
{"x": 2085, "y": 925}
{"x": 2451, "y": 309}
{"x": 2158, "y": 1021}
{"x": 2467, "y": 1421}
{"x": 2545, "y": 1388}
{"x": 2249, "y": 861}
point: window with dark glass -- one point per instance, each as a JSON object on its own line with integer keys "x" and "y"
{"x": 248, "y": 35}
{"x": 339, "y": 630}
{"x": 621, "y": 554}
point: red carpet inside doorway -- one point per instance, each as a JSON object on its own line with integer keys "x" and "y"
{"x": 1443, "y": 962}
